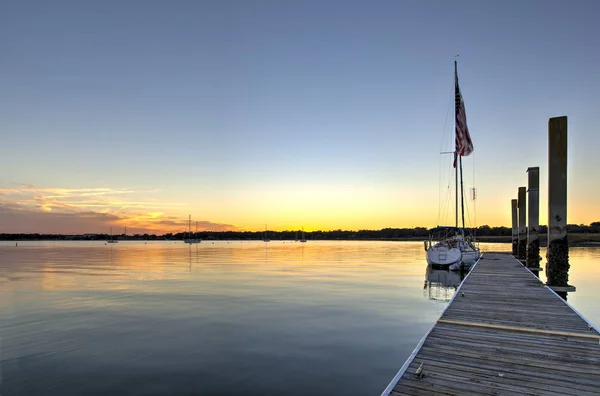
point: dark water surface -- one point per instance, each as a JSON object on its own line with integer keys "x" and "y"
{"x": 223, "y": 318}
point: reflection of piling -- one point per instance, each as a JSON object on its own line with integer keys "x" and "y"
{"x": 533, "y": 220}
{"x": 557, "y": 266}
{"x": 515, "y": 227}
{"x": 522, "y": 248}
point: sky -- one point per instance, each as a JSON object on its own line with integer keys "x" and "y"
{"x": 287, "y": 114}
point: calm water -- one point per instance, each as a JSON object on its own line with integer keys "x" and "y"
{"x": 223, "y": 318}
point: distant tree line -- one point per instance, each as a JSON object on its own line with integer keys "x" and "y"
{"x": 383, "y": 234}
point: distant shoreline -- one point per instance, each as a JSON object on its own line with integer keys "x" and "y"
{"x": 575, "y": 239}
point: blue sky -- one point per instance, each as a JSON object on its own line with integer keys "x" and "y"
{"x": 324, "y": 114}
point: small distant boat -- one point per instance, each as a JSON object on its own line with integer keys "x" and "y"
{"x": 452, "y": 247}
{"x": 303, "y": 237}
{"x": 265, "y": 235}
{"x": 188, "y": 238}
{"x": 111, "y": 240}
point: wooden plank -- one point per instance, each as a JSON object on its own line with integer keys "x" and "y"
{"x": 586, "y": 370}
{"x": 508, "y": 377}
{"x": 563, "y": 288}
{"x": 468, "y": 333}
{"x": 491, "y": 382}
{"x": 558, "y": 346}
{"x": 592, "y": 357}
{"x": 582, "y": 366}
{"x": 525, "y": 370}
{"x": 522, "y": 329}
{"x": 506, "y": 333}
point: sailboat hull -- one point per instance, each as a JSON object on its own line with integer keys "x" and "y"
{"x": 470, "y": 257}
{"x": 442, "y": 256}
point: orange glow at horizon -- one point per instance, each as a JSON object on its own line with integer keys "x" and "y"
{"x": 283, "y": 208}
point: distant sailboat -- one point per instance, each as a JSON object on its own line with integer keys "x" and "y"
{"x": 303, "y": 237}
{"x": 265, "y": 236}
{"x": 111, "y": 240}
{"x": 189, "y": 238}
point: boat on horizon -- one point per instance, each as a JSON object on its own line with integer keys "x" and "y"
{"x": 303, "y": 239}
{"x": 111, "y": 240}
{"x": 265, "y": 235}
{"x": 453, "y": 247}
{"x": 188, "y": 238}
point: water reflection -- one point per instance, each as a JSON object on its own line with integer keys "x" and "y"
{"x": 279, "y": 315}
{"x": 440, "y": 285}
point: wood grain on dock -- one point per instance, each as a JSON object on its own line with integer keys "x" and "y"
{"x": 504, "y": 333}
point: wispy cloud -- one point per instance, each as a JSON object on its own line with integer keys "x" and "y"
{"x": 27, "y": 208}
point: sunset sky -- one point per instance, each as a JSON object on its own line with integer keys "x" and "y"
{"x": 323, "y": 114}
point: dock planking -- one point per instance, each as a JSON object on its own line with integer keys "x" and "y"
{"x": 504, "y": 333}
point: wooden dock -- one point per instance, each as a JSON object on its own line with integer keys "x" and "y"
{"x": 504, "y": 333}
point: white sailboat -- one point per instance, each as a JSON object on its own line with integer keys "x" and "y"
{"x": 189, "y": 238}
{"x": 453, "y": 247}
{"x": 111, "y": 240}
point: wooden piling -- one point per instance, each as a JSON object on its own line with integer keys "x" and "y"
{"x": 522, "y": 204}
{"x": 533, "y": 220}
{"x": 557, "y": 266}
{"x": 515, "y": 227}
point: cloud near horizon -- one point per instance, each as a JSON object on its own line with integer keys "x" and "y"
{"x": 29, "y": 209}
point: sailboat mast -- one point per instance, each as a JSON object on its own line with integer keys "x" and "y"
{"x": 455, "y": 195}
{"x": 458, "y": 157}
{"x": 455, "y": 152}
{"x": 462, "y": 197}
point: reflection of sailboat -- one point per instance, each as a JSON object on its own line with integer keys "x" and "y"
{"x": 441, "y": 284}
{"x": 111, "y": 240}
{"x": 265, "y": 236}
{"x": 452, "y": 247}
{"x": 189, "y": 238}
{"x": 190, "y": 257}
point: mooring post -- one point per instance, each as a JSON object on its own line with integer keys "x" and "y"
{"x": 557, "y": 255}
{"x": 533, "y": 220}
{"x": 522, "y": 248}
{"x": 515, "y": 228}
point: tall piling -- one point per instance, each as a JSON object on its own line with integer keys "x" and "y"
{"x": 522, "y": 204}
{"x": 557, "y": 255}
{"x": 533, "y": 218}
{"x": 515, "y": 227}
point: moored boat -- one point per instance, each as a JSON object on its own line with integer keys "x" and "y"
{"x": 453, "y": 247}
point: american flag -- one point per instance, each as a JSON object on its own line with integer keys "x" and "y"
{"x": 463, "y": 143}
